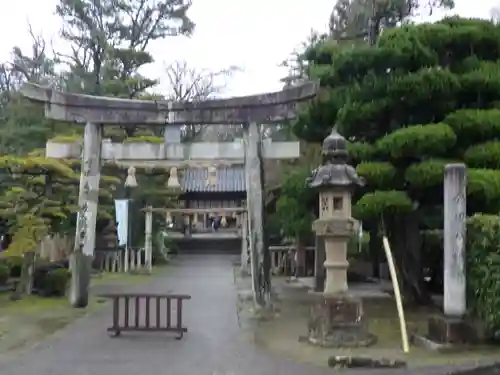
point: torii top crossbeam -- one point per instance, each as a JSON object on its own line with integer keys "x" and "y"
{"x": 262, "y": 108}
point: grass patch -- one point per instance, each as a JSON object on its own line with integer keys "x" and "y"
{"x": 33, "y": 318}
{"x": 30, "y": 304}
{"x": 129, "y": 278}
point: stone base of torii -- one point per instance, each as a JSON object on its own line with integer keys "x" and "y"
{"x": 94, "y": 113}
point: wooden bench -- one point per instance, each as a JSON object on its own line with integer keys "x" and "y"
{"x": 139, "y": 316}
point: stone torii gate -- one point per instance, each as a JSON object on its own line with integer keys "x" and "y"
{"x": 95, "y": 112}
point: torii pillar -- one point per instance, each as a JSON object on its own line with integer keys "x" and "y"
{"x": 83, "y": 253}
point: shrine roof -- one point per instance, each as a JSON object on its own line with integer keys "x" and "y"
{"x": 229, "y": 179}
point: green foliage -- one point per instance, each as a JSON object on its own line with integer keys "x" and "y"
{"x": 55, "y": 282}
{"x": 14, "y": 263}
{"x": 425, "y": 95}
{"x": 145, "y": 138}
{"x": 351, "y": 20}
{"x": 378, "y": 175}
{"x": 36, "y": 166}
{"x": 378, "y": 203}
{"x": 4, "y": 273}
{"x": 27, "y": 234}
{"x": 433, "y": 241}
{"x": 360, "y": 151}
{"x": 474, "y": 125}
{"x": 292, "y": 208}
{"x": 418, "y": 141}
{"x": 483, "y": 268}
{"x": 66, "y": 138}
{"x": 358, "y": 248}
{"x": 422, "y": 97}
{"x": 483, "y": 155}
{"x": 104, "y": 30}
{"x": 416, "y": 74}
{"x": 428, "y": 173}
{"x": 484, "y": 187}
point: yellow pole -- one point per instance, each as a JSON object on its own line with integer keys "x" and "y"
{"x": 397, "y": 295}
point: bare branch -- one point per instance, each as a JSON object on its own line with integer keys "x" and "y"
{"x": 193, "y": 84}
{"x": 188, "y": 83}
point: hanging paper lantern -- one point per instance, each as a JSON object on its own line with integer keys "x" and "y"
{"x": 131, "y": 181}
{"x": 173, "y": 179}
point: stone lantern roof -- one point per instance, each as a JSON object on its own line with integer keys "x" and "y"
{"x": 334, "y": 171}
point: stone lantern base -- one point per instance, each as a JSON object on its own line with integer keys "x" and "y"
{"x": 338, "y": 321}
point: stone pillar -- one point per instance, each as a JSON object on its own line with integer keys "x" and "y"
{"x": 260, "y": 257}
{"x": 336, "y": 320}
{"x": 83, "y": 253}
{"x": 451, "y": 328}
{"x": 455, "y": 183}
{"x": 148, "y": 235}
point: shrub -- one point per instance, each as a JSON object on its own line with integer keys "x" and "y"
{"x": 55, "y": 282}
{"x": 42, "y": 268}
{"x": 4, "y": 274}
{"x": 15, "y": 265}
{"x": 483, "y": 269}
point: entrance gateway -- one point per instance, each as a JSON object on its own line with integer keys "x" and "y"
{"x": 96, "y": 112}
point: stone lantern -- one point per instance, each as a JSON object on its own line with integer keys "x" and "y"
{"x": 336, "y": 320}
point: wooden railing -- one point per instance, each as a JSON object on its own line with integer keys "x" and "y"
{"x": 283, "y": 259}
{"x": 135, "y": 312}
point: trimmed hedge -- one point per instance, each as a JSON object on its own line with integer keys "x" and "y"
{"x": 483, "y": 155}
{"x": 426, "y": 174}
{"x": 360, "y": 152}
{"x": 474, "y": 125}
{"x": 378, "y": 175}
{"x": 372, "y": 205}
{"x": 483, "y": 269}
{"x": 418, "y": 141}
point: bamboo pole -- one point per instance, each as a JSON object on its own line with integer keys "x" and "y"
{"x": 397, "y": 295}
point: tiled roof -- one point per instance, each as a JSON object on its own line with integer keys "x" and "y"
{"x": 229, "y": 179}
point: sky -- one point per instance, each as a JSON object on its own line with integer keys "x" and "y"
{"x": 254, "y": 35}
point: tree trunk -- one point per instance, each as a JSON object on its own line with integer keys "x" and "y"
{"x": 374, "y": 250}
{"x": 25, "y": 281}
{"x": 406, "y": 243}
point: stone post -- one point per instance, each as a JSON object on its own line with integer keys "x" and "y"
{"x": 452, "y": 328}
{"x": 148, "y": 235}
{"x": 455, "y": 183}
{"x": 83, "y": 254}
{"x": 336, "y": 320}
